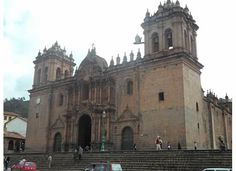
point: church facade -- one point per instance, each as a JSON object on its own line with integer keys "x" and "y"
{"x": 130, "y": 101}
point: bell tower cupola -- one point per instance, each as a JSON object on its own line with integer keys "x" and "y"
{"x": 52, "y": 65}
{"x": 170, "y": 27}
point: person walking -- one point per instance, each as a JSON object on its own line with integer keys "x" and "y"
{"x": 179, "y": 146}
{"x": 80, "y": 152}
{"x": 6, "y": 162}
{"x": 168, "y": 146}
{"x": 49, "y": 161}
{"x": 158, "y": 143}
{"x": 195, "y": 145}
{"x": 75, "y": 153}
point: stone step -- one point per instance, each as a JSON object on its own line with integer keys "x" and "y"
{"x": 135, "y": 160}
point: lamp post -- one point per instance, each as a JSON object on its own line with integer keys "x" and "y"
{"x": 103, "y": 132}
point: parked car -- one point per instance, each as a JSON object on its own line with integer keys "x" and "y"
{"x": 24, "y": 166}
{"x": 217, "y": 169}
{"x": 106, "y": 166}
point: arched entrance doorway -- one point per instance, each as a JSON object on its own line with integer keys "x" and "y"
{"x": 127, "y": 139}
{"x": 84, "y": 133}
{"x": 57, "y": 142}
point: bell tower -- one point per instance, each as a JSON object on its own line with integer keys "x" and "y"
{"x": 51, "y": 65}
{"x": 171, "y": 27}
{"x": 170, "y": 48}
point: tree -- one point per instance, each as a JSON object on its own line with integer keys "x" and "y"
{"x": 19, "y": 106}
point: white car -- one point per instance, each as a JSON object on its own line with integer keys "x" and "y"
{"x": 104, "y": 167}
{"x": 217, "y": 169}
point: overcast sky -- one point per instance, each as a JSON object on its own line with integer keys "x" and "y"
{"x": 29, "y": 26}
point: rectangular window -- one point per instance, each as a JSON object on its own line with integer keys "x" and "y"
{"x": 5, "y": 117}
{"x": 161, "y": 96}
{"x": 37, "y": 115}
{"x": 197, "y": 108}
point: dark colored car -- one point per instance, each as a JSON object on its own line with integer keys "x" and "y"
{"x": 24, "y": 166}
{"x": 104, "y": 167}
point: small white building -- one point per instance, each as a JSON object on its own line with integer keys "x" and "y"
{"x": 18, "y": 125}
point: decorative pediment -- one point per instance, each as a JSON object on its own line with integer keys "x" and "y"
{"x": 127, "y": 115}
{"x": 58, "y": 123}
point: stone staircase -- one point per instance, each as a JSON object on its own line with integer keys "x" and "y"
{"x": 176, "y": 160}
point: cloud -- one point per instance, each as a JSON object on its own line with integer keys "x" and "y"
{"x": 29, "y": 26}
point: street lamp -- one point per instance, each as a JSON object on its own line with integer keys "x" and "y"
{"x": 103, "y": 132}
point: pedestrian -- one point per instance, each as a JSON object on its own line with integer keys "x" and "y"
{"x": 75, "y": 153}
{"x": 93, "y": 169}
{"x": 158, "y": 143}
{"x": 6, "y": 162}
{"x": 86, "y": 148}
{"x": 195, "y": 145}
{"x": 134, "y": 147}
{"x": 80, "y": 152}
{"x": 179, "y": 146}
{"x": 222, "y": 144}
{"x": 168, "y": 146}
{"x": 49, "y": 161}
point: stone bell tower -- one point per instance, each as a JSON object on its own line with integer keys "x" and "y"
{"x": 170, "y": 47}
{"x": 170, "y": 27}
{"x": 51, "y": 65}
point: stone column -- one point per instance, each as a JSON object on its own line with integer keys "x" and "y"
{"x": 90, "y": 92}
{"x": 108, "y": 128}
{"x": 225, "y": 129}
{"x": 100, "y": 94}
{"x": 35, "y": 75}
{"x": 76, "y": 95}
{"x": 109, "y": 93}
{"x": 73, "y": 131}
{"x": 212, "y": 127}
{"x": 93, "y": 138}
{"x": 95, "y": 93}
{"x": 99, "y": 129}
{"x": 79, "y": 94}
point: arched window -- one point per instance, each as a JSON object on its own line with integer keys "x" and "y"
{"x": 58, "y": 74}
{"x": 45, "y": 74}
{"x": 10, "y": 145}
{"x": 129, "y": 87}
{"x": 66, "y": 73}
{"x": 168, "y": 38}
{"x": 185, "y": 39}
{"x": 39, "y": 76}
{"x": 57, "y": 142}
{"x": 155, "y": 42}
{"x": 61, "y": 98}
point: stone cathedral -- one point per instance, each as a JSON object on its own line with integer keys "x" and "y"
{"x": 132, "y": 100}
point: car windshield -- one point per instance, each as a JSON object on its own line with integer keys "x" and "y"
{"x": 100, "y": 168}
{"x": 116, "y": 167}
{"x": 29, "y": 164}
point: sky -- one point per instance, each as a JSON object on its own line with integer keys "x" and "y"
{"x": 111, "y": 25}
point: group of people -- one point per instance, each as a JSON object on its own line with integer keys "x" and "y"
{"x": 159, "y": 143}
